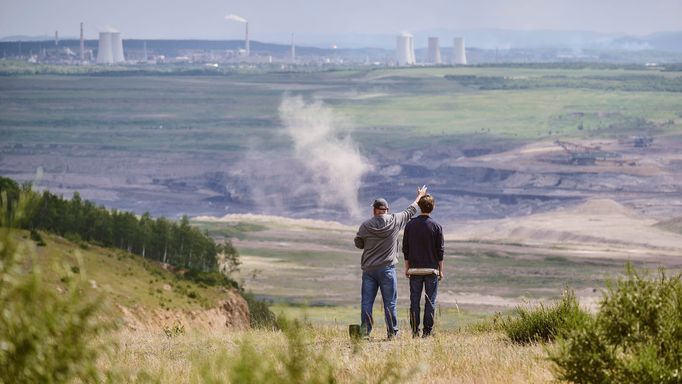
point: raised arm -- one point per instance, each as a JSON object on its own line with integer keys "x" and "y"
{"x": 403, "y": 217}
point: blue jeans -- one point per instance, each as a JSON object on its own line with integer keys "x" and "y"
{"x": 417, "y": 283}
{"x": 386, "y": 280}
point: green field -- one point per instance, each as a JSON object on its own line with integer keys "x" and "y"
{"x": 396, "y": 108}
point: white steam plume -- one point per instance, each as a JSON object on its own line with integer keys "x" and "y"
{"x": 107, "y": 28}
{"x": 334, "y": 162}
{"x": 235, "y": 18}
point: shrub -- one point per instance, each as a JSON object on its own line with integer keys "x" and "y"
{"x": 259, "y": 312}
{"x": 634, "y": 338}
{"x": 45, "y": 337}
{"x": 35, "y": 236}
{"x": 544, "y": 323}
{"x": 174, "y": 331}
{"x": 212, "y": 278}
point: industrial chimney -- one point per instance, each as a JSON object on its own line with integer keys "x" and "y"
{"x": 56, "y": 38}
{"x": 82, "y": 44}
{"x": 405, "y": 50}
{"x": 293, "y": 49}
{"x": 434, "y": 51}
{"x": 104, "y": 51}
{"x": 458, "y": 52}
{"x": 247, "y": 43}
{"x": 117, "y": 47}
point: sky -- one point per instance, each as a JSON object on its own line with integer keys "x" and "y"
{"x": 275, "y": 20}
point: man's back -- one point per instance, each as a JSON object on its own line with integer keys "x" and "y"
{"x": 378, "y": 238}
{"x": 423, "y": 244}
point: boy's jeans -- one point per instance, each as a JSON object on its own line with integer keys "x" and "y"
{"x": 417, "y": 283}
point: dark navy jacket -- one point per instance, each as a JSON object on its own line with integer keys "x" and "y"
{"x": 423, "y": 243}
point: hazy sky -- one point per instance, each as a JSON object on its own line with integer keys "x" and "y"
{"x": 276, "y": 19}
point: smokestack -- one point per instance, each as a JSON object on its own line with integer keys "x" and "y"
{"x": 247, "y": 45}
{"x": 104, "y": 52}
{"x": 459, "y": 55}
{"x": 117, "y": 47}
{"x": 82, "y": 44}
{"x": 293, "y": 49}
{"x": 56, "y": 38}
{"x": 434, "y": 51}
{"x": 405, "y": 50}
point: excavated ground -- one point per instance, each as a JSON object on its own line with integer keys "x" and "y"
{"x": 488, "y": 183}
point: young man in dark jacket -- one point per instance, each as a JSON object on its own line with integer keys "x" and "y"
{"x": 423, "y": 247}
{"x": 378, "y": 238}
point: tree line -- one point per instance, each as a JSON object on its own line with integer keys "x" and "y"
{"x": 174, "y": 243}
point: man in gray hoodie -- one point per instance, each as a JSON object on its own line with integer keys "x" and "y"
{"x": 378, "y": 238}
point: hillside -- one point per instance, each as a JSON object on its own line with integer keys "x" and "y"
{"x": 142, "y": 294}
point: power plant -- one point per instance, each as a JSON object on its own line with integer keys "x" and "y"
{"x": 405, "y": 50}
{"x": 110, "y": 48}
{"x": 434, "y": 51}
{"x": 459, "y": 56}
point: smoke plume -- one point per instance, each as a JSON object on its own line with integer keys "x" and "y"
{"x": 235, "y": 18}
{"x": 333, "y": 160}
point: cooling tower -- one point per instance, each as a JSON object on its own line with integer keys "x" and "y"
{"x": 459, "y": 55}
{"x": 104, "y": 52}
{"x": 405, "y": 50}
{"x": 434, "y": 51}
{"x": 117, "y": 47}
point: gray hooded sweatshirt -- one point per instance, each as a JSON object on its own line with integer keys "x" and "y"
{"x": 378, "y": 238}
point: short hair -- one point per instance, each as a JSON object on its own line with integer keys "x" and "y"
{"x": 426, "y": 203}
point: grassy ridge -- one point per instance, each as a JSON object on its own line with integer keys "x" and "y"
{"x": 122, "y": 278}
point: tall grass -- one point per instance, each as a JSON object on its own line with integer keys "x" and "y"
{"x": 544, "y": 323}
{"x": 322, "y": 354}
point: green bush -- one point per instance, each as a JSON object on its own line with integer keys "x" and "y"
{"x": 212, "y": 278}
{"x": 35, "y": 236}
{"x": 45, "y": 336}
{"x": 259, "y": 313}
{"x": 636, "y": 337}
{"x": 544, "y": 323}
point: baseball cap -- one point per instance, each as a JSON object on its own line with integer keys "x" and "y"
{"x": 380, "y": 204}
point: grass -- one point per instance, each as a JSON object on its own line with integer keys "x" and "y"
{"x": 461, "y": 357}
{"x": 340, "y": 316}
{"x": 544, "y": 323}
{"x": 123, "y": 278}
